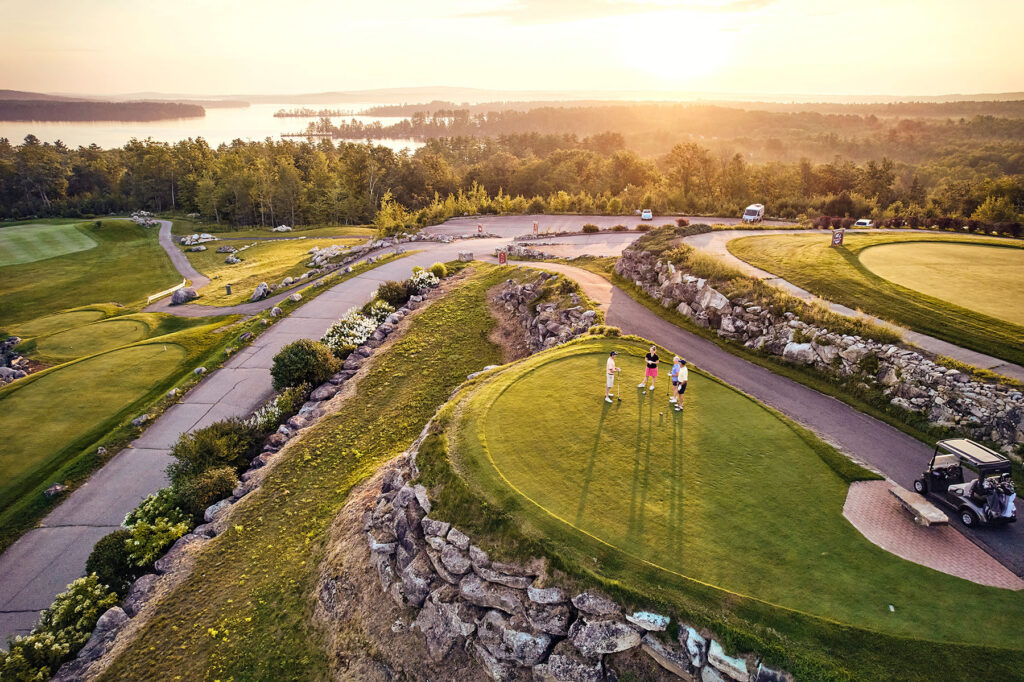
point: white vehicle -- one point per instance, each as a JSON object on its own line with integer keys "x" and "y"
{"x": 647, "y": 214}
{"x": 754, "y": 213}
{"x": 864, "y": 222}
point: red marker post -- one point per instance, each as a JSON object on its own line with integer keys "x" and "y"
{"x": 837, "y": 237}
{"x": 479, "y": 228}
{"x": 502, "y": 258}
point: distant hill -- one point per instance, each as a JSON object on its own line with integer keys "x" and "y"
{"x": 21, "y": 95}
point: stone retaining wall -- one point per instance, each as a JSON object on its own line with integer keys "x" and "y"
{"x": 945, "y": 396}
{"x": 545, "y": 324}
{"x": 515, "y": 622}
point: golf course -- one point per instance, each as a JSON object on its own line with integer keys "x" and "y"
{"x": 714, "y": 503}
{"x": 957, "y": 288}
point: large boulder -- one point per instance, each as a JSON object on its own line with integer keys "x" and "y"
{"x": 183, "y": 295}
{"x": 801, "y": 353}
{"x": 479, "y": 592}
{"x": 566, "y": 664}
{"x": 445, "y": 624}
{"x": 261, "y": 292}
{"x": 596, "y": 637}
{"x": 511, "y": 639}
{"x": 595, "y": 604}
{"x": 710, "y": 299}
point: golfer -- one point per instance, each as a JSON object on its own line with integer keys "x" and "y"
{"x": 651, "y": 372}
{"x": 681, "y": 385}
{"x": 677, "y": 365}
{"x": 611, "y": 370}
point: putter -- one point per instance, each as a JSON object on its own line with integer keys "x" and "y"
{"x": 617, "y": 395}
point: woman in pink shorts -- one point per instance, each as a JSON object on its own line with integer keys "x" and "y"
{"x": 652, "y": 368}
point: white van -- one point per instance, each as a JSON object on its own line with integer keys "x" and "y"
{"x": 754, "y": 213}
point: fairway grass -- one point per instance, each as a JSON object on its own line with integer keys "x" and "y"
{"x": 125, "y": 267}
{"x": 41, "y": 241}
{"x": 51, "y": 324}
{"x": 974, "y": 276}
{"x": 45, "y": 416}
{"x": 728, "y": 495}
{"x": 267, "y": 261}
{"x": 838, "y": 275}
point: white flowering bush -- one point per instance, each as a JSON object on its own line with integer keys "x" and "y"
{"x": 349, "y": 332}
{"x": 161, "y": 505}
{"x": 278, "y": 409}
{"x": 149, "y": 540}
{"x": 63, "y": 629}
{"x": 378, "y": 310}
{"x": 423, "y": 279}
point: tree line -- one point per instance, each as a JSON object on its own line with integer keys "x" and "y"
{"x": 47, "y": 110}
{"x": 301, "y": 182}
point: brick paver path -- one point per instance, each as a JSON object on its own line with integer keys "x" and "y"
{"x": 881, "y": 519}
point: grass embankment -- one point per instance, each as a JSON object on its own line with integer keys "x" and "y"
{"x": 839, "y": 275}
{"x": 728, "y": 516}
{"x": 126, "y": 266}
{"x": 244, "y": 612}
{"x": 267, "y": 261}
{"x": 38, "y": 241}
{"x": 181, "y": 228}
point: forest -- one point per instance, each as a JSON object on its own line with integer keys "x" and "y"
{"x": 912, "y": 170}
{"x": 59, "y": 110}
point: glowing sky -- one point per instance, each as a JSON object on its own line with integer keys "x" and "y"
{"x": 710, "y": 46}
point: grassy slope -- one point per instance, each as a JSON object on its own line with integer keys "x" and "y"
{"x": 252, "y": 584}
{"x": 473, "y": 496}
{"x": 126, "y": 266}
{"x": 268, "y": 261}
{"x": 838, "y": 275}
{"x": 185, "y": 227}
{"x": 28, "y": 243}
{"x": 975, "y": 276}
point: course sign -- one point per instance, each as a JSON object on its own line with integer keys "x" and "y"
{"x": 502, "y": 258}
{"x": 837, "y": 237}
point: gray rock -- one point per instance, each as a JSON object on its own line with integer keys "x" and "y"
{"x": 481, "y": 593}
{"x": 139, "y": 593}
{"x": 675, "y": 661}
{"x": 55, "y": 490}
{"x": 695, "y": 644}
{"x": 434, "y": 527}
{"x": 566, "y": 664}
{"x": 140, "y": 420}
{"x": 550, "y": 618}
{"x": 183, "y": 295}
{"x": 325, "y": 392}
{"x": 546, "y": 595}
{"x": 216, "y": 510}
{"x": 455, "y": 560}
{"x": 596, "y": 637}
{"x": 276, "y": 312}
{"x": 801, "y": 353}
{"x": 596, "y": 604}
{"x": 445, "y": 625}
{"x": 501, "y": 578}
{"x": 416, "y": 579}
{"x": 170, "y": 561}
{"x": 199, "y": 370}
{"x": 648, "y": 621}
{"x": 509, "y": 639}
{"x": 735, "y": 668}
{"x": 261, "y": 292}
{"x": 459, "y": 539}
{"x": 496, "y": 669}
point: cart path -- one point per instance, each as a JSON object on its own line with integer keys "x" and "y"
{"x": 881, "y": 519}
{"x": 716, "y": 243}
{"x": 866, "y": 439}
{"x": 41, "y": 563}
{"x": 178, "y": 257}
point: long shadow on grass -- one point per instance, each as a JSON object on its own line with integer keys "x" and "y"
{"x": 589, "y": 475}
{"x": 641, "y": 466}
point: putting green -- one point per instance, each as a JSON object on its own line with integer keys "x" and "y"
{"x": 90, "y": 339}
{"x": 39, "y": 241}
{"x": 56, "y": 323}
{"x": 726, "y": 493}
{"x": 46, "y": 415}
{"x": 974, "y": 276}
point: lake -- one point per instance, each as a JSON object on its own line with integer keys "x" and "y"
{"x": 255, "y": 122}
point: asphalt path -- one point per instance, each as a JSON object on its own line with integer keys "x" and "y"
{"x": 512, "y": 226}
{"x": 865, "y": 439}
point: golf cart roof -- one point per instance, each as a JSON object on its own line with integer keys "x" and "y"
{"x": 973, "y": 453}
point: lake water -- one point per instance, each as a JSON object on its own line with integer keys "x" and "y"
{"x": 255, "y": 122}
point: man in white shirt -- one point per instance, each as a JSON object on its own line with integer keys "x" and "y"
{"x": 683, "y": 375}
{"x": 610, "y": 370}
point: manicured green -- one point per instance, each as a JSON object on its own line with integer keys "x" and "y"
{"x": 837, "y": 274}
{"x": 267, "y": 261}
{"x": 40, "y": 241}
{"x": 107, "y": 334}
{"x": 970, "y": 275}
{"x": 44, "y": 416}
{"x": 126, "y": 266}
{"x": 58, "y": 322}
{"x": 245, "y": 612}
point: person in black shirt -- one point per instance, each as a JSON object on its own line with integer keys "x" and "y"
{"x": 651, "y": 372}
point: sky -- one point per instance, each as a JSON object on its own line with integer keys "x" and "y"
{"x": 671, "y": 47}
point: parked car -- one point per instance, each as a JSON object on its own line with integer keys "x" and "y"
{"x": 647, "y": 214}
{"x": 987, "y": 499}
{"x": 754, "y": 213}
{"x": 864, "y": 222}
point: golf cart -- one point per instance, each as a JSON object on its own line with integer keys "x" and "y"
{"x": 987, "y": 499}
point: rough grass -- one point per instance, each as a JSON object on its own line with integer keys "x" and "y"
{"x": 974, "y": 276}
{"x": 665, "y": 511}
{"x": 244, "y": 613}
{"x": 181, "y": 228}
{"x": 126, "y": 266}
{"x": 268, "y": 261}
{"x": 40, "y": 241}
{"x": 837, "y": 274}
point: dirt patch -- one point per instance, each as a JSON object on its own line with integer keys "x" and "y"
{"x": 508, "y": 335}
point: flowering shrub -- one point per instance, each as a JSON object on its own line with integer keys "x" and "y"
{"x": 278, "y": 409}
{"x": 148, "y": 541}
{"x": 377, "y": 310}
{"x": 161, "y": 505}
{"x": 33, "y": 657}
{"x": 424, "y": 279}
{"x": 348, "y": 333}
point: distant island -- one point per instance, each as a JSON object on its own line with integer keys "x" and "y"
{"x": 60, "y": 110}
{"x": 306, "y": 112}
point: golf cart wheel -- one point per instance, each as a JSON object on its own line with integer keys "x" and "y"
{"x": 919, "y": 486}
{"x": 969, "y": 518}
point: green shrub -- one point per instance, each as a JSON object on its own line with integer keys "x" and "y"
{"x": 199, "y": 492}
{"x": 231, "y": 443}
{"x": 161, "y": 505}
{"x": 643, "y": 227}
{"x": 800, "y": 336}
{"x": 619, "y": 228}
{"x": 147, "y": 541}
{"x": 682, "y": 222}
{"x": 109, "y": 562}
{"x": 591, "y": 228}
{"x": 377, "y": 310}
{"x": 33, "y": 657}
{"x": 303, "y": 362}
{"x": 604, "y": 330}
{"x": 394, "y": 293}
{"x": 439, "y": 270}
{"x": 284, "y": 405}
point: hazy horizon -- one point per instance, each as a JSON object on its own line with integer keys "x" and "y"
{"x": 655, "y": 48}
